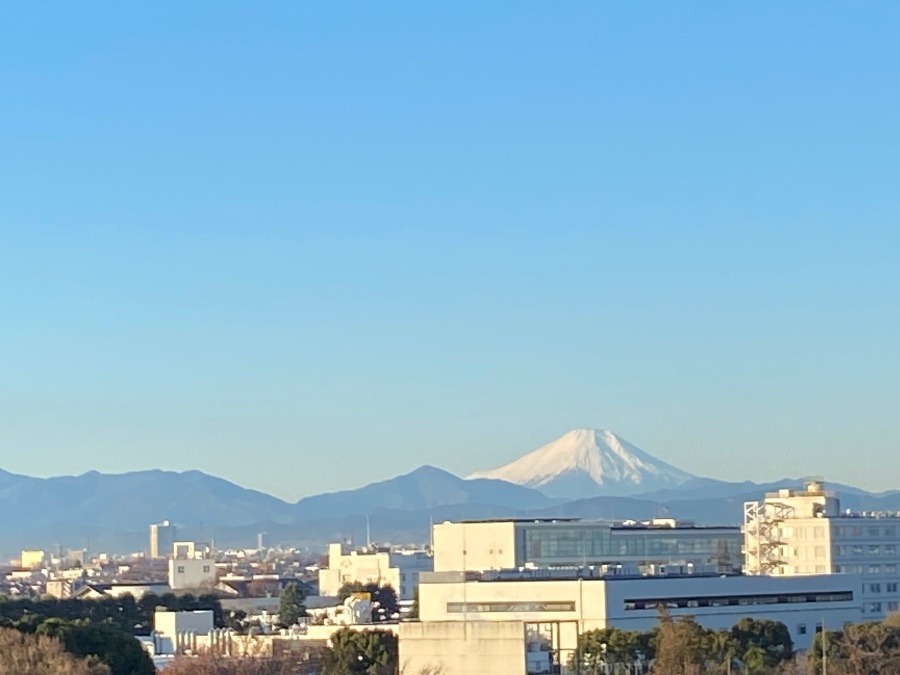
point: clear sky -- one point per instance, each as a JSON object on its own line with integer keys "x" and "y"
{"x": 304, "y": 246}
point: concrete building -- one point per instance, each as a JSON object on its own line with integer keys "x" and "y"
{"x": 173, "y": 632}
{"x": 399, "y": 568}
{"x": 162, "y": 536}
{"x": 523, "y": 621}
{"x": 191, "y": 566}
{"x": 802, "y": 532}
{"x": 507, "y": 544}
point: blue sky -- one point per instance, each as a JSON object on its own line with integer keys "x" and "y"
{"x": 306, "y": 247}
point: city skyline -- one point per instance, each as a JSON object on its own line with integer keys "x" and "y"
{"x": 305, "y": 249}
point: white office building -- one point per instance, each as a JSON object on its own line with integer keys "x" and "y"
{"x": 523, "y": 621}
{"x": 803, "y": 532}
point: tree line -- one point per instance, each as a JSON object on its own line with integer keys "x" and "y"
{"x": 681, "y": 646}
{"x": 751, "y": 647}
{"x": 95, "y": 636}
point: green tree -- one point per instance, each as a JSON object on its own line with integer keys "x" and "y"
{"x": 290, "y": 605}
{"x": 361, "y": 653}
{"x": 385, "y": 600}
{"x": 116, "y": 648}
{"x": 772, "y": 638}
{"x": 610, "y": 649}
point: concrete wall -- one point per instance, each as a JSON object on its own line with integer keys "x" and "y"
{"x": 474, "y": 546}
{"x": 453, "y": 648}
{"x": 799, "y": 618}
{"x": 172, "y": 623}
{"x": 192, "y": 573}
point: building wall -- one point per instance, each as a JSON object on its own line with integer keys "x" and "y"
{"x": 463, "y": 649}
{"x": 801, "y": 618}
{"x": 191, "y": 573}
{"x": 474, "y": 546}
{"x": 599, "y": 603}
{"x": 32, "y": 559}
{"x": 527, "y": 600}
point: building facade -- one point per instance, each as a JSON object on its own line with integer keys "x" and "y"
{"x": 508, "y": 544}
{"x": 803, "y": 532}
{"x": 398, "y": 568}
{"x": 540, "y": 614}
{"x": 162, "y": 536}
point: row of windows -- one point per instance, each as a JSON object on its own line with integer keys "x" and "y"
{"x": 889, "y": 588}
{"x": 866, "y": 569}
{"x": 476, "y": 607}
{"x": 872, "y": 549}
{"x": 601, "y": 544}
{"x": 727, "y": 600}
{"x": 180, "y": 569}
{"x": 860, "y": 531}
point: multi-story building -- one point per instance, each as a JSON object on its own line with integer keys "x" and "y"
{"x": 508, "y": 544}
{"x": 398, "y": 568}
{"x": 801, "y": 532}
{"x": 162, "y": 536}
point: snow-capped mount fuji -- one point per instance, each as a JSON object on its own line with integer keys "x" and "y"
{"x": 588, "y": 463}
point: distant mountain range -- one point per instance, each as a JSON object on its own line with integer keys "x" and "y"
{"x": 584, "y": 474}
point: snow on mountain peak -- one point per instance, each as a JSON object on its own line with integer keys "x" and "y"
{"x": 588, "y": 463}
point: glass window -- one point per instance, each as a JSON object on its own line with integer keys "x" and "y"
{"x": 874, "y": 569}
{"x": 874, "y": 549}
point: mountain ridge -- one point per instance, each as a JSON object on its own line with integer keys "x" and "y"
{"x": 589, "y": 462}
